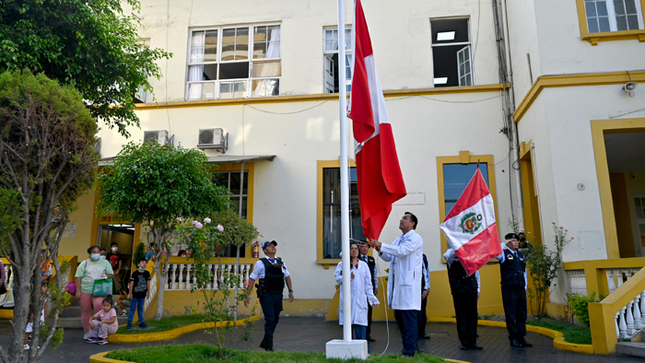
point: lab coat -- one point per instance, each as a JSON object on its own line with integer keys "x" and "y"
{"x": 406, "y": 264}
{"x": 362, "y": 292}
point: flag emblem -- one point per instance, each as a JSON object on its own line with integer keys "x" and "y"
{"x": 471, "y": 222}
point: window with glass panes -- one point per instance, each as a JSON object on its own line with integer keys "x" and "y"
{"x": 234, "y": 62}
{"x": 455, "y": 179}
{"x": 238, "y": 193}
{"x": 451, "y": 52}
{"x": 331, "y": 212}
{"x": 613, "y": 15}
{"x": 333, "y": 79}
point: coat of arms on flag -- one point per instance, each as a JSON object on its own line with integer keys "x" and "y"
{"x": 470, "y": 227}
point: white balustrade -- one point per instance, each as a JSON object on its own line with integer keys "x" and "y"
{"x": 611, "y": 284}
{"x": 616, "y": 321}
{"x": 577, "y": 282}
{"x": 153, "y": 292}
{"x": 181, "y": 276}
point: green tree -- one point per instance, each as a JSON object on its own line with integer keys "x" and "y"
{"x": 92, "y": 44}
{"x": 47, "y": 161}
{"x": 543, "y": 265}
{"x": 155, "y": 184}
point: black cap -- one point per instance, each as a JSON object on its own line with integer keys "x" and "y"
{"x": 511, "y": 236}
{"x": 267, "y": 243}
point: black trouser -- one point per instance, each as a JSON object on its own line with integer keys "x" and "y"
{"x": 466, "y": 314}
{"x": 422, "y": 318}
{"x": 514, "y": 300}
{"x": 369, "y": 319}
{"x": 271, "y": 307}
{"x": 407, "y": 321}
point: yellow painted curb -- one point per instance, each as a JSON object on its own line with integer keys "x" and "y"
{"x": 558, "y": 337}
{"x": 170, "y": 334}
{"x": 101, "y": 358}
{"x": 6, "y": 313}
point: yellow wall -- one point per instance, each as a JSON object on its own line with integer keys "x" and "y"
{"x": 621, "y": 212}
{"x": 83, "y": 217}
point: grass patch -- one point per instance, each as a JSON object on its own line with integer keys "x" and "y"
{"x": 202, "y": 353}
{"x": 165, "y": 324}
{"x": 572, "y": 333}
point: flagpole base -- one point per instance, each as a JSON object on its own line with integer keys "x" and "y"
{"x": 339, "y": 348}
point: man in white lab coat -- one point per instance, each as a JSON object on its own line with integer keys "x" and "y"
{"x": 405, "y": 255}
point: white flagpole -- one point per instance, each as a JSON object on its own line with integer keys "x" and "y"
{"x": 344, "y": 177}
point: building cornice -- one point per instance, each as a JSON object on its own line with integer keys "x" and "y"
{"x": 574, "y": 80}
{"x": 319, "y": 97}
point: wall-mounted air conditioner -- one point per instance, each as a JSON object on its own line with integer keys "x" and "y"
{"x": 160, "y": 136}
{"x": 213, "y": 139}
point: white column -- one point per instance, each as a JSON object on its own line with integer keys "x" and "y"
{"x": 610, "y": 281}
{"x": 629, "y": 318}
{"x": 622, "y": 325}
{"x": 180, "y": 279}
{"x": 188, "y": 282}
{"x": 638, "y": 323}
{"x": 616, "y": 318}
{"x": 171, "y": 276}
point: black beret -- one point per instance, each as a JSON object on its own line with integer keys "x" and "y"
{"x": 511, "y": 236}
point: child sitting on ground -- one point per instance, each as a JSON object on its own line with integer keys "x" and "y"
{"x": 124, "y": 302}
{"x": 30, "y": 325}
{"x": 139, "y": 291}
{"x": 103, "y": 323}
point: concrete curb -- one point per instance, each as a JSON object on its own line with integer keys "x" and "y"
{"x": 169, "y": 334}
{"x": 558, "y": 337}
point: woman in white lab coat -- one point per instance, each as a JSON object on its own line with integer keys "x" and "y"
{"x": 362, "y": 292}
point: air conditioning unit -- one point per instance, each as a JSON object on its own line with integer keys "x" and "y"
{"x": 213, "y": 139}
{"x": 160, "y": 136}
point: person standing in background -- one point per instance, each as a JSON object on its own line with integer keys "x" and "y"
{"x": 371, "y": 263}
{"x": 422, "y": 317}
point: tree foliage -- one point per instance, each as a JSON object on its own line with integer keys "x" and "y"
{"x": 47, "y": 161}
{"x": 544, "y": 265}
{"x": 155, "y": 184}
{"x": 91, "y": 44}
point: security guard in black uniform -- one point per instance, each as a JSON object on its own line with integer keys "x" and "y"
{"x": 513, "y": 271}
{"x": 465, "y": 293}
{"x": 371, "y": 263}
{"x": 271, "y": 274}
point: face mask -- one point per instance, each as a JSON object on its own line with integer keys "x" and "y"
{"x": 103, "y": 257}
{"x": 114, "y": 249}
{"x": 96, "y": 256}
{"x": 141, "y": 268}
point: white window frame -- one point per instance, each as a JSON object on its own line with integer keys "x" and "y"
{"x": 469, "y": 72}
{"x": 468, "y": 43}
{"x": 611, "y": 14}
{"x": 249, "y": 80}
{"x": 328, "y": 56}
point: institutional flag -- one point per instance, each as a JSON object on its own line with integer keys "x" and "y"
{"x": 380, "y": 182}
{"x": 470, "y": 226}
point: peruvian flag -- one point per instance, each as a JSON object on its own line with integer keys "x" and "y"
{"x": 470, "y": 226}
{"x": 380, "y": 182}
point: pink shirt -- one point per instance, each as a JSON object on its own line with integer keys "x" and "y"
{"x": 102, "y": 316}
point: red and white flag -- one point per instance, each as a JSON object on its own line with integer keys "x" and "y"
{"x": 470, "y": 226}
{"x": 380, "y": 182}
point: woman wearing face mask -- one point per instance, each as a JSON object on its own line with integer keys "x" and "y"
{"x": 89, "y": 270}
{"x": 116, "y": 260}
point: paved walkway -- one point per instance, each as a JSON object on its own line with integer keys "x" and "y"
{"x": 311, "y": 334}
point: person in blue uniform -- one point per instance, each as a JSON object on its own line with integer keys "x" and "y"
{"x": 513, "y": 273}
{"x": 465, "y": 294}
{"x": 271, "y": 274}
